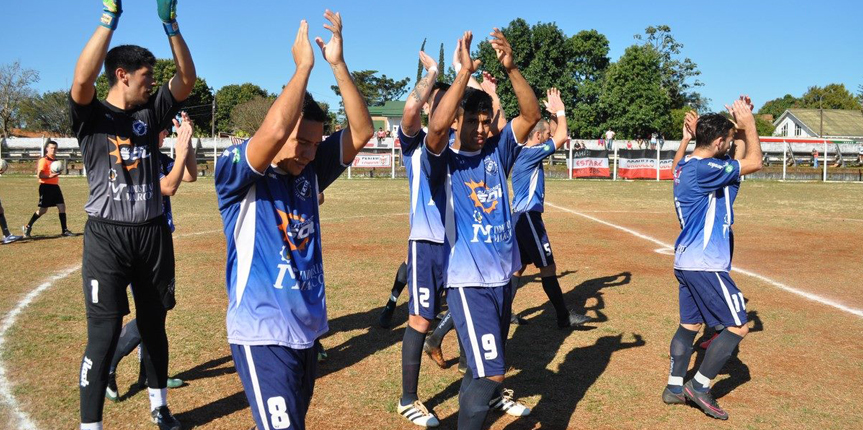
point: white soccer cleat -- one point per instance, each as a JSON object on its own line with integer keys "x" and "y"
{"x": 417, "y": 413}
{"x": 506, "y": 404}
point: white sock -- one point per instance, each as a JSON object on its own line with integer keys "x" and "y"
{"x": 158, "y": 397}
{"x": 702, "y": 380}
{"x": 92, "y": 426}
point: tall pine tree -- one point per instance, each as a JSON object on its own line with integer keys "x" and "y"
{"x": 420, "y": 63}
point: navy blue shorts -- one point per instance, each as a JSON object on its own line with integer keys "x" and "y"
{"x": 426, "y": 277}
{"x": 481, "y": 317}
{"x": 532, "y": 239}
{"x": 278, "y": 381}
{"x": 710, "y": 297}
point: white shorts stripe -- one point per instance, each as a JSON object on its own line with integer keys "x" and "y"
{"x": 728, "y": 300}
{"x": 474, "y": 345}
{"x": 536, "y": 239}
{"x": 414, "y": 290}
{"x": 256, "y": 387}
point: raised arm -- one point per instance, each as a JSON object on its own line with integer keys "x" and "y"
{"x": 489, "y": 85}
{"x": 752, "y": 157}
{"x": 444, "y": 114}
{"x": 190, "y": 172}
{"x": 171, "y": 182}
{"x": 528, "y": 106}
{"x": 90, "y": 61}
{"x": 285, "y": 112}
{"x": 554, "y": 105}
{"x": 739, "y": 142}
{"x": 182, "y": 83}
{"x": 360, "y": 128}
{"x": 690, "y": 121}
{"x": 411, "y": 118}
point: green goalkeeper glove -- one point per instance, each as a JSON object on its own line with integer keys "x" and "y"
{"x": 111, "y": 13}
{"x": 168, "y": 15}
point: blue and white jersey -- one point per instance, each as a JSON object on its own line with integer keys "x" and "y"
{"x": 166, "y": 164}
{"x": 704, "y": 193}
{"x": 426, "y": 206}
{"x": 528, "y": 178}
{"x": 477, "y": 220}
{"x": 275, "y": 273}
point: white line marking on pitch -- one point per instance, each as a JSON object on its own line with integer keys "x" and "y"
{"x": 10, "y": 318}
{"x": 777, "y": 284}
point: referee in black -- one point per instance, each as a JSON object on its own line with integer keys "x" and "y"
{"x": 126, "y": 239}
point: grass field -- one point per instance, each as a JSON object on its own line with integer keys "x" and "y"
{"x": 801, "y": 366}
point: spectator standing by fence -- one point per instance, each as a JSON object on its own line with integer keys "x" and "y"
{"x": 49, "y": 191}
{"x": 381, "y": 135}
{"x": 815, "y": 158}
{"x": 609, "y": 140}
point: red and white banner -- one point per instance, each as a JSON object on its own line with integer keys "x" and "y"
{"x": 373, "y": 160}
{"x": 641, "y": 164}
{"x": 587, "y": 163}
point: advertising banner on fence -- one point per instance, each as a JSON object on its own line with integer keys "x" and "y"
{"x": 641, "y": 164}
{"x": 588, "y": 163}
{"x": 372, "y": 160}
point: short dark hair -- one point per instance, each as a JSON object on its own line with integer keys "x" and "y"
{"x": 128, "y": 57}
{"x": 440, "y": 86}
{"x": 476, "y": 101}
{"x": 312, "y": 110}
{"x": 710, "y": 127}
{"x": 542, "y": 125}
{"x": 50, "y": 142}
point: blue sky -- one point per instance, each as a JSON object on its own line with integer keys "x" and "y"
{"x": 765, "y": 49}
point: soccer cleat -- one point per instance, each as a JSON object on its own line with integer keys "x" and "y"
{"x": 670, "y": 398}
{"x": 163, "y": 418}
{"x": 705, "y": 401}
{"x": 11, "y": 238}
{"x": 573, "y": 320}
{"x": 111, "y": 392}
{"x": 435, "y": 353}
{"x": 174, "y": 383}
{"x": 506, "y": 404}
{"x": 67, "y": 233}
{"x": 706, "y": 343}
{"x": 26, "y": 230}
{"x": 417, "y": 413}
{"x": 386, "y": 317}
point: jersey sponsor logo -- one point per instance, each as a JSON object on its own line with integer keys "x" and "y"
{"x": 302, "y": 187}
{"x": 139, "y": 128}
{"x": 483, "y": 197}
{"x": 128, "y": 155}
{"x": 716, "y": 165}
{"x": 296, "y": 229}
{"x": 490, "y": 166}
{"x": 491, "y": 233}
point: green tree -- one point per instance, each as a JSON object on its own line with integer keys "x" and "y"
{"x": 590, "y": 61}
{"x": 248, "y": 116}
{"x": 633, "y": 98}
{"x": 375, "y": 90}
{"x": 230, "y": 96}
{"x": 543, "y": 54}
{"x": 677, "y": 117}
{"x": 764, "y": 126}
{"x": 440, "y": 65}
{"x": 835, "y": 96}
{"x": 15, "y": 89}
{"x": 47, "y": 112}
{"x": 777, "y": 106}
{"x": 674, "y": 70}
{"x": 420, "y": 63}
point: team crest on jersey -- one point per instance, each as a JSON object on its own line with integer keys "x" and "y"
{"x": 139, "y": 127}
{"x": 128, "y": 155}
{"x": 302, "y": 187}
{"x": 483, "y": 197}
{"x": 477, "y": 216}
{"x": 297, "y": 230}
{"x": 112, "y": 175}
{"x": 490, "y": 166}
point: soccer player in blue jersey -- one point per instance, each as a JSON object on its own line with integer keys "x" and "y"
{"x": 478, "y": 223}
{"x": 528, "y": 189}
{"x": 705, "y": 186}
{"x": 267, "y": 190}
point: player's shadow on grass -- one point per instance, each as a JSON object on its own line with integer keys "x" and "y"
{"x": 360, "y": 346}
{"x": 214, "y": 410}
{"x": 735, "y": 368}
{"x": 576, "y": 299}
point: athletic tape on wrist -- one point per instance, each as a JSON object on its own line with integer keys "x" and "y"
{"x": 433, "y": 70}
{"x": 109, "y": 20}
{"x": 457, "y": 67}
{"x": 171, "y": 28}
{"x": 560, "y": 113}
